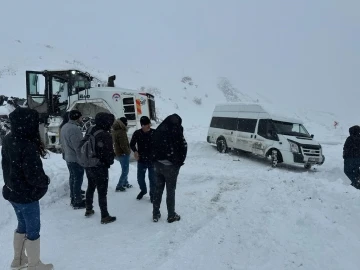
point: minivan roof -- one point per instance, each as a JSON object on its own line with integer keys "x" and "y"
{"x": 267, "y": 111}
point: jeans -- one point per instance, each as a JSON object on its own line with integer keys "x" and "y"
{"x": 125, "y": 163}
{"x": 75, "y": 181}
{"x": 165, "y": 175}
{"x": 98, "y": 178}
{"x": 141, "y": 171}
{"x": 352, "y": 171}
{"x": 28, "y": 216}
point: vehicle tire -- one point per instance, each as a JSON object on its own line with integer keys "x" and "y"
{"x": 307, "y": 166}
{"x": 275, "y": 155}
{"x": 222, "y": 146}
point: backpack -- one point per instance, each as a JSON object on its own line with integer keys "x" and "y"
{"x": 86, "y": 153}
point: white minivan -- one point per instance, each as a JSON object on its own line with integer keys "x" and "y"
{"x": 250, "y": 128}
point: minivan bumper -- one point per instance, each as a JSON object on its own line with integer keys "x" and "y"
{"x": 301, "y": 159}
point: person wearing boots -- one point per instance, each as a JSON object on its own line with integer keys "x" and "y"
{"x": 122, "y": 151}
{"x": 71, "y": 136}
{"x": 98, "y": 177}
{"x": 141, "y": 146}
{"x": 25, "y": 184}
{"x": 351, "y": 155}
{"x": 169, "y": 150}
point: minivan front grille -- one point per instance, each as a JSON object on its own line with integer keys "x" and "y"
{"x": 311, "y": 150}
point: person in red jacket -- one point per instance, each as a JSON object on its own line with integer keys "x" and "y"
{"x": 25, "y": 184}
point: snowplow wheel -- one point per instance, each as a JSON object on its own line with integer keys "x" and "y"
{"x": 222, "y": 146}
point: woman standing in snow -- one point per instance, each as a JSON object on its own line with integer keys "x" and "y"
{"x": 25, "y": 184}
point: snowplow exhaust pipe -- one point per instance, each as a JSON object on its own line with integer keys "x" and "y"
{"x": 111, "y": 81}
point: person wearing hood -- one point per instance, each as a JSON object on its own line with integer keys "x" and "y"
{"x": 351, "y": 155}
{"x": 122, "y": 151}
{"x": 71, "y": 137}
{"x": 169, "y": 153}
{"x": 98, "y": 177}
{"x": 25, "y": 184}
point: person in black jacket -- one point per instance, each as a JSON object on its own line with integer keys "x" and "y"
{"x": 98, "y": 177}
{"x": 140, "y": 144}
{"x": 25, "y": 184}
{"x": 351, "y": 155}
{"x": 169, "y": 152}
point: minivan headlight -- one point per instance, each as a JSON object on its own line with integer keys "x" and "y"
{"x": 294, "y": 147}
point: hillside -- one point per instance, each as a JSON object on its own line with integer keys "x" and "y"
{"x": 190, "y": 97}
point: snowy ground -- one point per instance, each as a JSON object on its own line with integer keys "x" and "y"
{"x": 236, "y": 214}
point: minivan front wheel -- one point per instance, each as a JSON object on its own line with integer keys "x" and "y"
{"x": 274, "y": 158}
{"x": 222, "y": 146}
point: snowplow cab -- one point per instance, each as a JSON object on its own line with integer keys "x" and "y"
{"x": 48, "y": 91}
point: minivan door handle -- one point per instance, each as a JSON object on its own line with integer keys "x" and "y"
{"x": 251, "y": 136}
{"x": 255, "y": 136}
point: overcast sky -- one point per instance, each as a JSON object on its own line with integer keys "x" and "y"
{"x": 302, "y": 52}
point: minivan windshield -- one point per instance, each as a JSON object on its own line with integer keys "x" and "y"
{"x": 291, "y": 129}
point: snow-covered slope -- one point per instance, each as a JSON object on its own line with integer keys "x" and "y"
{"x": 236, "y": 214}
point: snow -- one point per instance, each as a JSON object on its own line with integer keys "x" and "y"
{"x": 237, "y": 213}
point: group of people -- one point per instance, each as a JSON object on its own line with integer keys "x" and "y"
{"x": 161, "y": 152}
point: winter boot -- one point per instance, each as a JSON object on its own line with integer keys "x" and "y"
{"x": 175, "y": 217}
{"x": 89, "y": 212}
{"x": 20, "y": 260}
{"x": 141, "y": 195}
{"x": 107, "y": 219}
{"x": 33, "y": 252}
{"x": 156, "y": 217}
{"x": 80, "y": 205}
{"x": 121, "y": 189}
{"x": 128, "y": 186}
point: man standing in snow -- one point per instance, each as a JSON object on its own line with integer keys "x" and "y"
{"x": 169, "y": 150}
{"x": 122, "y": 151}
{"x": 141, "y": 146}
{"x": 71, "y": 136}
{"x": 98, "y": 176}
{"x": 351, "y": 156}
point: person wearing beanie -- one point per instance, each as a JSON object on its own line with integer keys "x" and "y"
{"x": 141, "y": 145}
{"x": 122, "y": 151}
{"x": 71, "y": 136}
{"x": 98, "y": 176}
{"x": 25, "y": 183}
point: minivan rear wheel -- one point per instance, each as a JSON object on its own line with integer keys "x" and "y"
{"x": 222, "y": 146}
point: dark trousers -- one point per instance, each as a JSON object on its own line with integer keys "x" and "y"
{"x": 141, "y": 171}
{"x": 98, "y": 178}
{"x": 75, "y": 181}
{"x": 165, "y": 175}
{"x": 352, "y": 171}
{"x": 28, "y": 216}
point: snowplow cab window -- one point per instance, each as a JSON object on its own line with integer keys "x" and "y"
{"x": 37, "y": 84}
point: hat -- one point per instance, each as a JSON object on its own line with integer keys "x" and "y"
{"x": 75, "y": 115}
{"x": 24, "y": 122}
{"x": 144, "y": 120}
{"x": 124, "y": 120}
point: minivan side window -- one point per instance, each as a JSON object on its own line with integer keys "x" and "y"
{"x": 267, "y": 130}
{"x": 224, "y": 123}
{"x": 246, "y": 125}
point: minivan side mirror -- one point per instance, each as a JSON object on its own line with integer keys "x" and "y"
{"x": 312, "y": 135}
